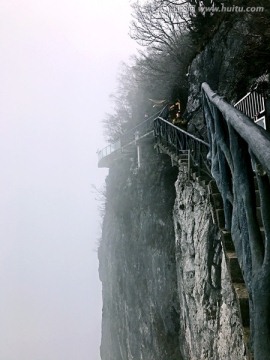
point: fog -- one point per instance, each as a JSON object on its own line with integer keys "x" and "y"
{"x": 59, "y": 62}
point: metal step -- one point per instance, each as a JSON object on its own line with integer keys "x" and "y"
{"x": 213, "y": 187}
{"x": 259, "y": 216}
{"x": 258, "y": 201}
{"x": 255, "y": 182}
{"x": 243, "y": 298}
{"x": 246, "y": 333}
{"x": 227, "y": 241}
{"x": 262, "y": 232}
{"x": 220, "y": 218}
{"x": 217, "y": 200}
{"x": 235, "y": 270}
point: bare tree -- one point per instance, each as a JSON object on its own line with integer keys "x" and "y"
{"x": 129, "y": 103}
{"x": 161, "y": 23}
{"x": 158, "y": 24}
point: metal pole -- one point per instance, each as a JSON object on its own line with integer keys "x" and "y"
{"x": 188, "y": 164}
{"x": 138, "y": 148}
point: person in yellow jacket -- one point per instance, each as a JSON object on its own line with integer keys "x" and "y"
{"x": 180, "y": 122}
{"x": 173, "y": 110}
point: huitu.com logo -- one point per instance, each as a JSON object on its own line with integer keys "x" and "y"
{"x": 230, "y": 9}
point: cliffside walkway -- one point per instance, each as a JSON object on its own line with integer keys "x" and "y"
{"x": 237, "y": 157}
{"x": 176, "y": 142}
{"x": 127, "y": 142}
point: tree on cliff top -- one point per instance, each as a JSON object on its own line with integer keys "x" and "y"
{"x": 158, "y": 72}
{"x": 157, "y": 24}
{"x": 161, "y": 23}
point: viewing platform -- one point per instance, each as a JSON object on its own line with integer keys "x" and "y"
{"x": 120, "y": 149}
{"x": 128, "y": 143}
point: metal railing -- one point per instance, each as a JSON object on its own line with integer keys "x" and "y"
{"x": 143, "y": 128}
{"x": 109, "y": 149}
{"x": 255, "y": 137}
{"x": 169, "y": 135}
{"x": 180, "y": 140}
{"x": 253, "y": 105}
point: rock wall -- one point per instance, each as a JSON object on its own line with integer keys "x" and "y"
{"x": 222, "y": 65}
{"x": 167, "y": 293}
{"x": 137, "y": 262}
{"x": 210, "y": 325}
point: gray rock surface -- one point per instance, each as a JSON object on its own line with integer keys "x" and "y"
{"x": 167, "y": 294}
{"x": 166, "y": 290}
{"x": 210, "y": 326}
{"x": 137, "y": 263}
{"x": 222, "y": 66}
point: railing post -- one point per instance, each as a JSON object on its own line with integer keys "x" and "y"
{"x": 188, "y": 164}
{"x": 200, "y": 158}
{"x": 137, "y": 136}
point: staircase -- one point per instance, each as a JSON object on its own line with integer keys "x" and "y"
{"x": 183, "y": 159}
{"x": 240, "y": 164}
{"x": 177, "y": 159}
{"x": 239, "y": 154}
{"x": 233, "y": 266}
{"x": 181, "y": 146}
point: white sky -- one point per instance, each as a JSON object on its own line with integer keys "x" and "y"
{"x": 58, "y": 64}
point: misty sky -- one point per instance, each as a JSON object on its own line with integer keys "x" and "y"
{"x": 58, "y": 64}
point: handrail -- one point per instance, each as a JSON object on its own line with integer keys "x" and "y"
{"x": 152, "y": 117}
{"x": 255, "y": 136}
{"x": 109, "y": 149}
{"x": 129, "y": 136}
{"x": 169, "y": 134}
{"x": 179, "y": 140}
{"x": 240, "y": 164}
{"x": 252, "y": 104}
{"x": 183, "y": 131}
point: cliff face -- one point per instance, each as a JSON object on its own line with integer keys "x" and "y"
{"x": 225, "y": 64}
{"x": 137, "y": 263}
{"x": 167, "y": 293}
{"x": 210, "y": 326}
{"x": 166, "y": 290}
